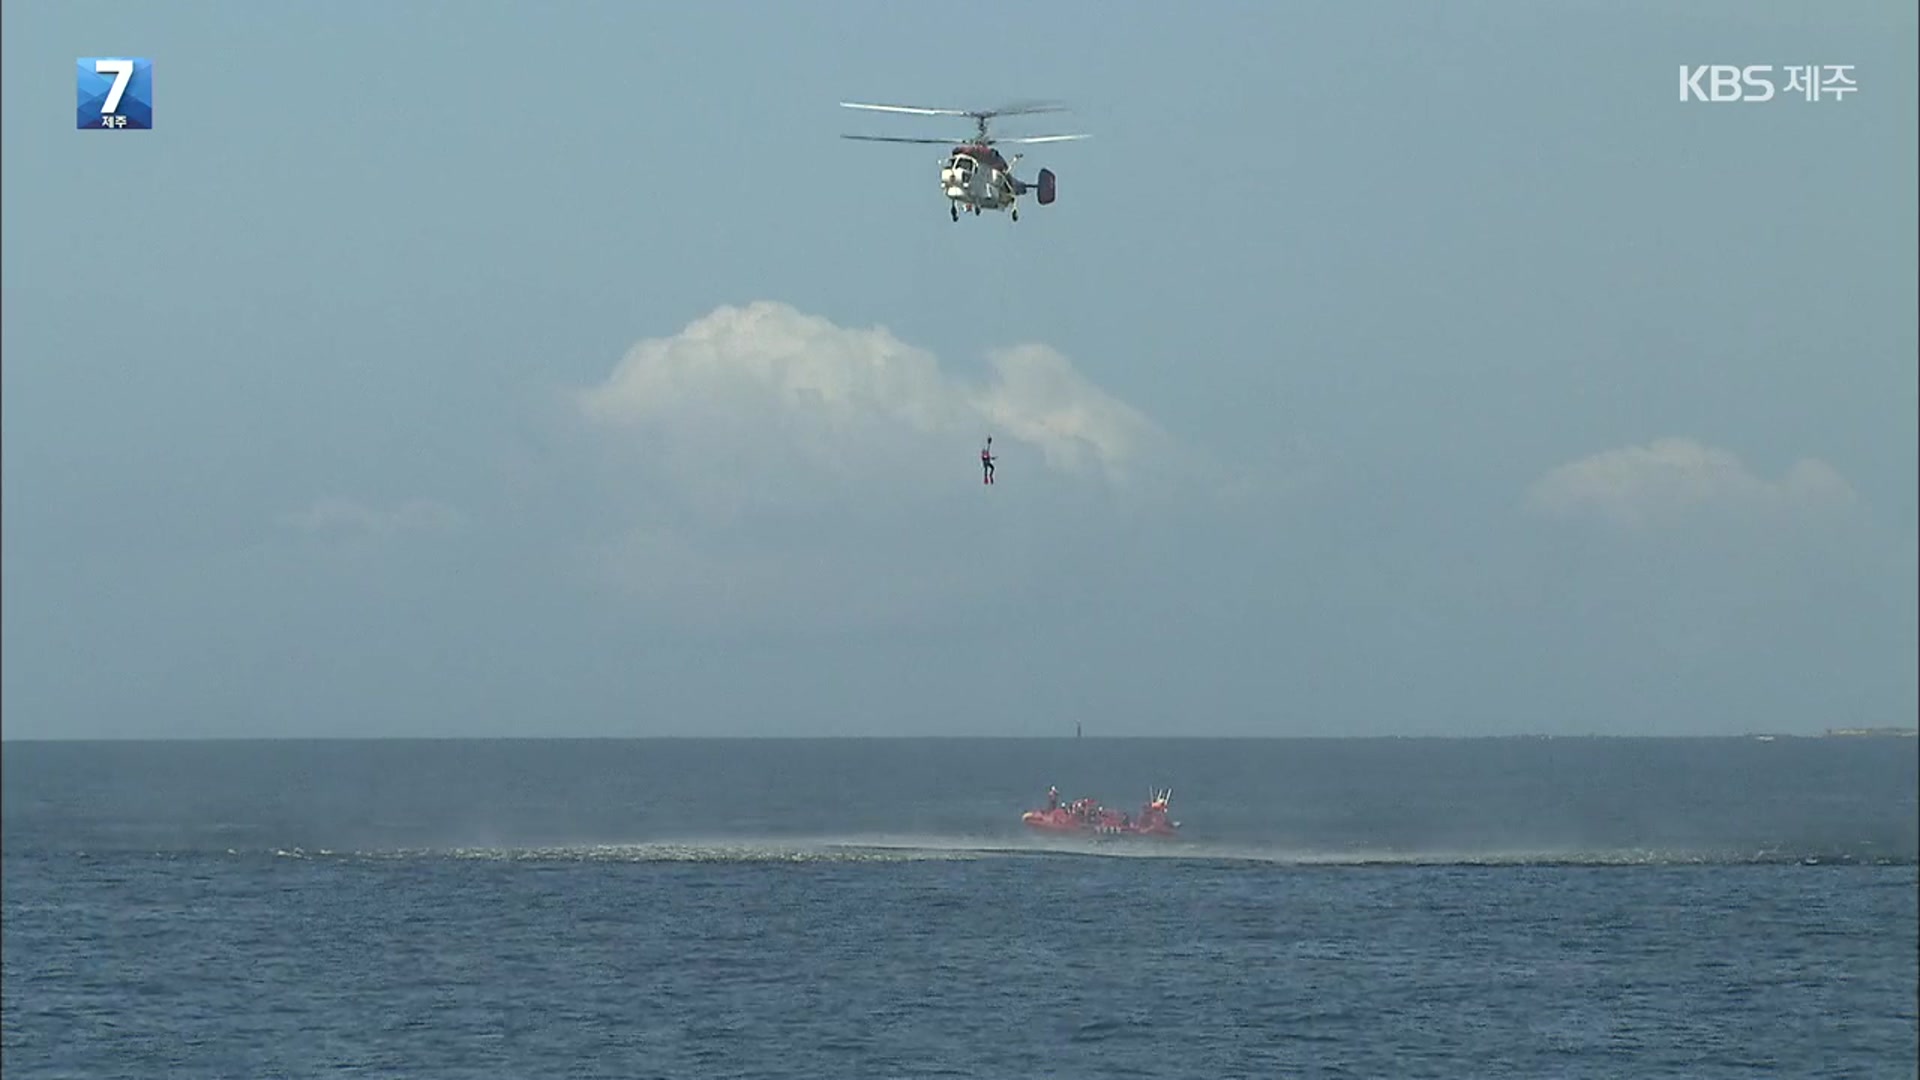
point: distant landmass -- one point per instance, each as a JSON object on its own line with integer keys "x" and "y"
{"x": 1856, "y": 732}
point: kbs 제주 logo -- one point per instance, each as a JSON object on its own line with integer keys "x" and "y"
{"x": 1756, "y": 82}
{"x": 116, "y": 93}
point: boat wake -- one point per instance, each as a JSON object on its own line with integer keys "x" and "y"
{"x": 873, "y": 848}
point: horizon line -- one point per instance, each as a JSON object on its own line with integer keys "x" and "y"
{"x": 1866, "y": 732}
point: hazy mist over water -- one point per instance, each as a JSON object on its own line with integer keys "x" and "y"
{"x": 1715, "y": 799}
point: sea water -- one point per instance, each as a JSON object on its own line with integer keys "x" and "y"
{"x": 872, "y": 908}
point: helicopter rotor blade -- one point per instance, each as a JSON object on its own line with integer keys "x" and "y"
{"x": 1022, "y": 108}
{"x": 1018, "y": 108}
{"x": 1044, "y": 138}
{"x": 891, "y": 138}
{"x": 912, "y": 109}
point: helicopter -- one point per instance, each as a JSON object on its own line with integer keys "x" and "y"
{"x": 974, "y": 176}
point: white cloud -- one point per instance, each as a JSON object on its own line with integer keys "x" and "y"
{"x": 351, "y": 517}
{"x": 775, "y": 460}
{"x": 770, "y": 388}
{"x": 1668, "y": 480}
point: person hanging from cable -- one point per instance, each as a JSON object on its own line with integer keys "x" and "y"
{"x": 986, "y": 462}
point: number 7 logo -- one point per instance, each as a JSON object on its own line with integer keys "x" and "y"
{"x": 122, "y": 72}
{"x": 116, "y": 93}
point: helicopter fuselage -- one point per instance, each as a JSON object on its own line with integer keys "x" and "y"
{"x": 977, "y": 178}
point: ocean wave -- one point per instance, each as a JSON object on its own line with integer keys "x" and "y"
{"x": 867, "y": 849}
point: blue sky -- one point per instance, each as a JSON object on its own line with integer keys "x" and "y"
{"x": 515, "y": 369}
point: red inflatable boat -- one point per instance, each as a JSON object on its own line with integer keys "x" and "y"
{"x": 1086, "y": 817}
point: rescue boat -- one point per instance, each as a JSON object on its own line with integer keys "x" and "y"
{"x": 1087, "y": 817}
